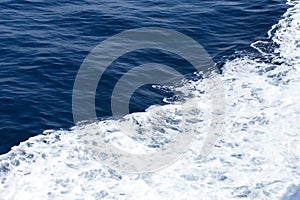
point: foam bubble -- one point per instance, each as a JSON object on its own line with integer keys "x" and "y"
{"x": 257, "y": 156}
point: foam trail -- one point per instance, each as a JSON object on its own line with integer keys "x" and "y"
{"x": 257, "y": 156}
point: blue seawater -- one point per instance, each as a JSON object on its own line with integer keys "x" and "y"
{"x": 44, "y": 43}
{"x": 255, "y": 45}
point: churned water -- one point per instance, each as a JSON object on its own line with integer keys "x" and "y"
{"x": 256, "y": 48}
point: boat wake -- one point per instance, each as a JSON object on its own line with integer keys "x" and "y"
{"x": 257, "y": 155}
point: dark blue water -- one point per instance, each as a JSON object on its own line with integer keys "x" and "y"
{"x": 43, "y": 44}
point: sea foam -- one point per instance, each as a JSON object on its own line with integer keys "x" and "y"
{"x": 256, "y": 157}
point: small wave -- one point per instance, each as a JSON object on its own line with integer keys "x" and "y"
{"x": 257, "y": 156}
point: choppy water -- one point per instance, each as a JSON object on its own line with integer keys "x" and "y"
{"x": 257, "y": 156}
{"x": 44, "y": 43}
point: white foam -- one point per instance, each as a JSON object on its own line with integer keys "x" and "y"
{"x": 257, "y": 157}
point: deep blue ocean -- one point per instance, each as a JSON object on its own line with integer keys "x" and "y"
{"x": 230, "y": 131}
{"x": 44, "y": 43}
